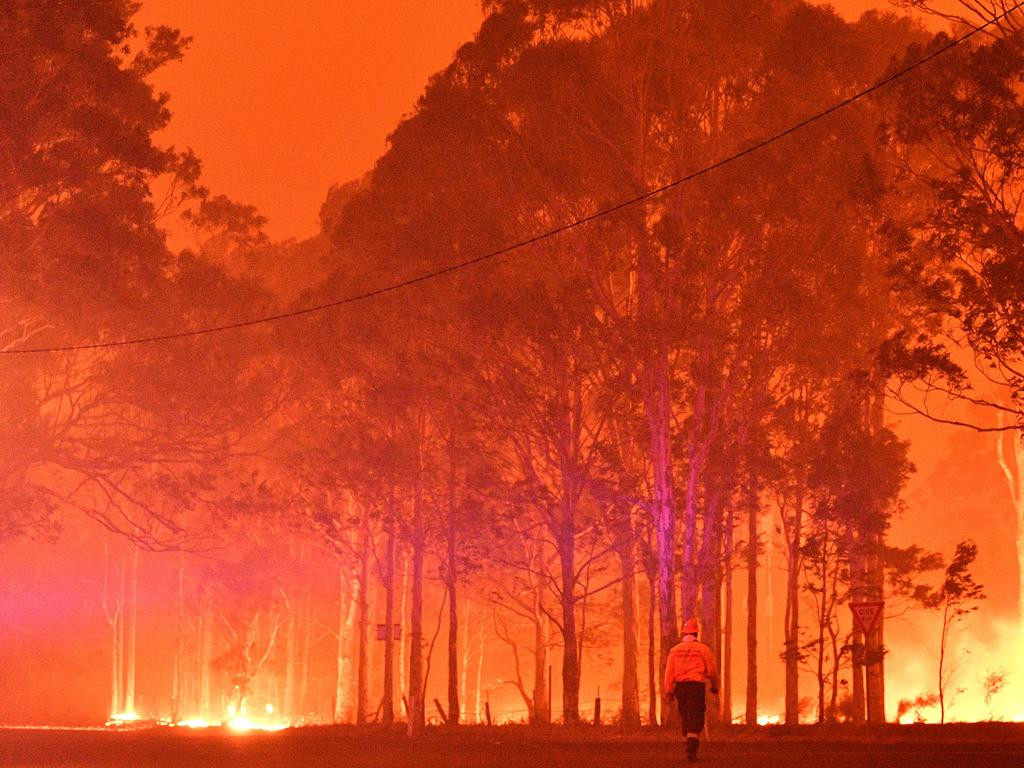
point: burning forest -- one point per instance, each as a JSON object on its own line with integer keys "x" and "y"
{"x": 648, "y": 312}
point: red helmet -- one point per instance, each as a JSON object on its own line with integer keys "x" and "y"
{"x": 690, "y": 627}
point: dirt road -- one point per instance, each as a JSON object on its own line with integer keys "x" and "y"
{"x": 984, "y": 747}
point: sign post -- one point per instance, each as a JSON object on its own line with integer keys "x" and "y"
{"x": 866, "y": 614}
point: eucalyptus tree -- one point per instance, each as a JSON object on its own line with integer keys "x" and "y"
{"x": 87, "y": 265}
{"x": 408, "y": 359}
{"x": 959, "y": 130}
{"x": 856, "y": 480}
{"x": 558, "y": 110}
{"x": 81, "y": 257}
{"x": 967, "y": 13}
{"x": 645, "y": 93}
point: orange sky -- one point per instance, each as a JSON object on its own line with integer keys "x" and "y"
{"x": 283, "y": 99}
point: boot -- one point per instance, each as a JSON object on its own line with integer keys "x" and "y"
{"x": 692, "y": 744}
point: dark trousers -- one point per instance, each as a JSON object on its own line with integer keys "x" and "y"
{"x": 691, "y": 698}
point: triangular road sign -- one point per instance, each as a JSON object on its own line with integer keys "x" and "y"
{"x": 866, "y": 615}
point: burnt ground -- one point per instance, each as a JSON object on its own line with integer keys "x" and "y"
{"x": 966, "y": 746}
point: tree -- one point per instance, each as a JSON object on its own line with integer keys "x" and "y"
{"x": 858, "y": 475}
{"x": 959, "y": 128}
{"x": 971, "y": 12}
{"x": 956, "y": 598}
{"x": 87, "y": 263}
{"x": 546, "y": 395}
{"x": 77, "y": 228}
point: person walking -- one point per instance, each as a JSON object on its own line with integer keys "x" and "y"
{"x": 689, "y": 670}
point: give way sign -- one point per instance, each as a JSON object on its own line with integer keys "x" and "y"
{"x": 866, "y": 615}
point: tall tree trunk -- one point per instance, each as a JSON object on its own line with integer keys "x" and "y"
{"x": 454, "y": 710}
{"x": 753, "y": 545}
{"x": 859, "y": 700}
{"x": 823, "y": 618}
{"x": 388, "y": 702}
{"x": 403, "y": 629}
{"x": 696, "y": 457}
{"x": 570, "y": 649}
{"x": 130, "y": 650}
{"x": 942, "y": 662}
{"x": 464, "y": 668}
{"x": 348, "y": 598}
{"x": 363, "y": 639}
{"x": 177, "y": 683}
{"x": 306, "y": 655}
{"x": 416, "y": 671}
{"x": 205, "y": 658}
{"x": 690, "y": 585}
{"x": 630, "y": 717}
{"x": 1018, "y": 504}
{"x": 655, "y": 383}
{"x": 115, "y": 617}
{"x": 710, "y": 581}
{"x": 290, "y": 663}
{"x": 728, "y": 619}
{"x": 117, "y": 659}
{"x": 793, "y": 652}
{"x": 478, "y": 700}
{"x": 653, "y": 677}
{"x": 541, "y": 712}
{"x": 857, "y": 663}
{"x": 1013, "y": 471}
{"x": 652, "y": 295}
{"x": 875, "y": 643}
{"x": 837, "y": 576}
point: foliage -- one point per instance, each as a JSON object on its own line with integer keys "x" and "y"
{"x": 956, "y": 597}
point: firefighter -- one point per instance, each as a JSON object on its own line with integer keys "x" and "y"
{"x": 689, "y": 670}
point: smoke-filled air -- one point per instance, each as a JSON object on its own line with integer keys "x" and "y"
{"x": 509, "y": 377}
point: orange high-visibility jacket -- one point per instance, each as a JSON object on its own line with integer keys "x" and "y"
{"x": 689, "y": 660}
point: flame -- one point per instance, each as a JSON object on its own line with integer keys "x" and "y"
{"x": 976, "y": 657}
{"x": 769, "y": 719}
{"x": 238, "y": 723}
{"x": 237, "y": 720}
{"x": 122, "y": 718}
{"x": 242, "y": 724}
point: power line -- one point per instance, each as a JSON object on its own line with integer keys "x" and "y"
{"x": 545, "y": 235}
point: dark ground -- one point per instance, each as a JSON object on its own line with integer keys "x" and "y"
{"x": 967, "y": 746}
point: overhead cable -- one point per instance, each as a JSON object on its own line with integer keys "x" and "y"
{"x": 546, "y": 234}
